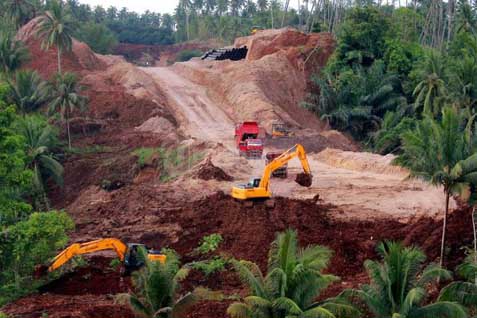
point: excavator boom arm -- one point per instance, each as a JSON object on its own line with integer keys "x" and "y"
{"x": 295, "y": 151}
{"x": 89, "y": 247}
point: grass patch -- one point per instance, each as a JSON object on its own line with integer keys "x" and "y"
{"x": 88, "y": 150}
{"x": 170, "y": 162}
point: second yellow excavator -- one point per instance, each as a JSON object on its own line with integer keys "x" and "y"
{"x": 259, "y": 188}
{"x": 128, "y": 254}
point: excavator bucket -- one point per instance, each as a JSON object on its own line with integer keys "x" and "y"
{"x": 304, "y": 179}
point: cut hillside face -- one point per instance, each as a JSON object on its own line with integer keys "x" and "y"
{"x": 270, "y": 84}
{"x": 81, "y": 59}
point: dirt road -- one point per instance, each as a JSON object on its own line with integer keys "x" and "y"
{"x": 362, "y": 185}
{"x": 199, "y": 117}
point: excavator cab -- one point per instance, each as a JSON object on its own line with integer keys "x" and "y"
{"x": 133, "y": 258}
{"x": 259, "y": 188}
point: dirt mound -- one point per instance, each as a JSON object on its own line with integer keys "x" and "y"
{"x": 304, "y": 51}
{"x": 361, "y": 161}
{"x": 67, "y": 306}
{"x": 207, "y": 171}
{"x": 314, "y": 141}
{"x": 80, "y": 59}
{"x": 95, "y": 278}
{"x": 247, "y": 233}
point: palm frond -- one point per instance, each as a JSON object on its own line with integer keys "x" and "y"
{"x": 464, "y": 293}
{"x": 443, "y": 309}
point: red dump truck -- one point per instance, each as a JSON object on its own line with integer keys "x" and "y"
{"x": 247, "y": 141}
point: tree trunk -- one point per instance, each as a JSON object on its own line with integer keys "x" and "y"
{"x": 444, "y": 228}
{"x": 58, "y": 52}
{"x": 287, "y": 2}
{"x": 271, "y": 12}
{"x": 187, "y": 26}
{"x": 299, "y": 15}
{"x": 475, "y": 242}
{"x": 68, "y": 127}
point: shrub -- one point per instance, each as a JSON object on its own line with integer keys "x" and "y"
{"x": 213, "y": 265}
{"x": 186, "y": 55}
{"x": 209, "y": 243}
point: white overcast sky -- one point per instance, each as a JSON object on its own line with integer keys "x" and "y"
{"x": 161, "y": 6}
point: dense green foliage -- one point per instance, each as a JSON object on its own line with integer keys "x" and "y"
{"x": 398, "y": 285}
{"x": 98, "y": 37}
{"x": 26, "y": 238}
{"x": 463, "y": 291}
{"x": 157, "y": 289}
{"x": 28, "y": 162}
{"x": 26, "y": 244}
{"x": 293, "y": 281}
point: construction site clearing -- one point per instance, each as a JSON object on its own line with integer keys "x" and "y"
{"x": 201, "y": 109}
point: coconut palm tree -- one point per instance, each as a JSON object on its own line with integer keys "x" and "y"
{"x": 431, "y": 90}
{"x": 28, "y": 91}
{"x": 41, "y": 140}
{"x": 465, "y": 291}
{"x": 12, "y": 53}
{"x": 466, "y": 19}
{"x": 19, "y": 10}
{"x": 66, "y": 98}
{"x": 56, "y": 28}
{"x": 157, "y": 287}
{"x": 291, "y": 285}
{"x": 398, "y": 285}
{"x": 442, "y": 153}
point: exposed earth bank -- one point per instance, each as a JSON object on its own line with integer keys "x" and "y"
{"x": 247, "y": 233}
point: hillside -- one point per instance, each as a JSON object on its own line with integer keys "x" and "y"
{"x": 356, "y": 200}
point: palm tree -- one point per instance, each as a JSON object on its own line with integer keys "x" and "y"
{"x": 29, "y": 91}
{"x": 12, "y": 53}
{"x": 41, "y": 139}
{"x": 291, "y": 285}
{"x": 55, "y": 28}
{"x": 357, "y": 101}
{"x": 464, "y": 292}
{"x": 464, "y": 81}
{"x": 398, "y": 285}
{"x": 466, "y": 19}
{"x": 157, "y": 289}
{"x": 442, "y": 153}
{"x": 66, "y": 98}
{"x": 19, "y": 10}
{"x": 430, "y": 91}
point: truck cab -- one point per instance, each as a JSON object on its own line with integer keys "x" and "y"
{"x": 247, "y": 141}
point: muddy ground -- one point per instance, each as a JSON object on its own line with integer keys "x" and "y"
{"x": 247, "y": 233}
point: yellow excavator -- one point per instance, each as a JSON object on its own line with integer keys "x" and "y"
{"x": 259, "y": 188}
{"x": 128, "y": 254}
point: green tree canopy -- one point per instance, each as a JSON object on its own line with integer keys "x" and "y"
{"x": 293, "y": 281}
{"x": 398, "y": 285}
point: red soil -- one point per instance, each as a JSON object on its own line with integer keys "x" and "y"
{"x": 207, "y": 171}
{"x": 247, "y": 234}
